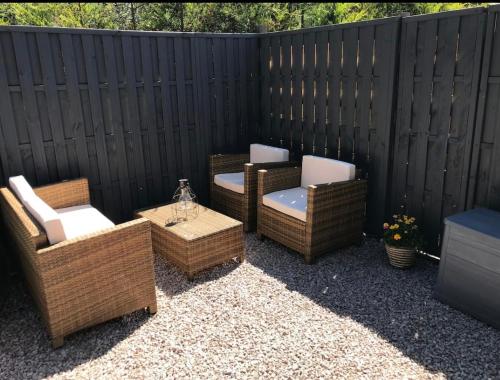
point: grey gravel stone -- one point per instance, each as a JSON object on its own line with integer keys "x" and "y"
{"x": 350, "y": 315}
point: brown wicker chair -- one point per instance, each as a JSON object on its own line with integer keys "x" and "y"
{"x": 242, "y": 207}
{"x": 84, "y": 281}
{"x": 334, "y": 218}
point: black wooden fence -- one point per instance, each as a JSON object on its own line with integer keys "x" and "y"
{"x": 133, "y": 112}
{"x": 414, "y": 101}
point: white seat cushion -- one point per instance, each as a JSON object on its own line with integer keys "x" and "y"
{"x": 82, "y": 220}
{"x": 21, "y": 188}
{"x": 318, "y": 170}
{"x": 263, "y": 153}
{"x": 231, "y": 181}
{"x": 47, "y": 217}
{"x": 292, "y": 202}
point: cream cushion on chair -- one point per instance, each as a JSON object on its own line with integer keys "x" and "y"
{"x": 82, "y": 220}
{"x": 21, "y": 188}
{"x": 47, "y": 217}
{"x": 292, "y": 202}
{"x": 318, "y": 170}
{"x": 263, "y": 153}
{"x": 231, "y": 181}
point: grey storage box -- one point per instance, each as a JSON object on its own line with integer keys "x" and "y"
{"x": 469, "y": 271}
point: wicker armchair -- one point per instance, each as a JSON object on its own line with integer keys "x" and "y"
{"x": 87, "y": 280}
{"x": 242, "y": 207}
{"x": 334, "y": 217}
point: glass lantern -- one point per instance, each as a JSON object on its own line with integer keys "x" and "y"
{"x": 185, "y": 206}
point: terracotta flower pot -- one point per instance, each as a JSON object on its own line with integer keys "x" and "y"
{"x": 400, "y": 257}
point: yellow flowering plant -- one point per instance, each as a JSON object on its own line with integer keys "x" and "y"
{"x": 402, "y": 232}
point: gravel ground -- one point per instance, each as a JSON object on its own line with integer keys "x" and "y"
{"x": 350, "y": 316}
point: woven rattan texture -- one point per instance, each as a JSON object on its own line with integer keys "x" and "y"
{"x": 335, "y": 213}
{"x": 242, "y": 207}
{"x": 208, "y": 240}
{"x": 84, "y": 281}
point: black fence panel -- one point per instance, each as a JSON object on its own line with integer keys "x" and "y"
{"x": 484, "y": 180}
{"x": 438, "y": 82}
{"x": 132, "y": 111}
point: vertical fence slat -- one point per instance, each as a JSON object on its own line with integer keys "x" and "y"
{"x": 366, "y": 42}
{"x": 151, "y": 123}
{"x": 437, "y": 149}
{"x": 76, "y": 116}
{"x": 133, "y": 120}
{"x": 308, "y": 94}
{"x": 275, "y": 135}
{"x": 426, "y": 42}
{"x": 296, "y": 139}
{"x": 30, "y": 106}
{"x": 219, "y": 94}
{"x": 110, "y": 201}
{"x": 117, "y": 125}
{"x": 380, "y": 136}
{"x": 200, "y": 79}
{"x": 243, "y": 95}
{"x": 321, "y": 88}
{"x": 286, "y": 75}
{"x": 232, "y": 127}
{"x": 333, "y": 109}
{"x": 166, "y": 104}
{"x": 408, "y": 58}
{"x": 349, "y": 71}
{"x": 181, "y": 104}
{"x": 11, "y": 157}
{"x": 54, "y": 109}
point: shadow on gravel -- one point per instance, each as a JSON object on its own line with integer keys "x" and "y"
{"x": 172, "y": 281}
{"x": 25, "y": 349}
{"x": 396, "y": 304}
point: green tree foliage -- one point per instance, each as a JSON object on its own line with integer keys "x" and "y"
{"x": 206, "y": 17}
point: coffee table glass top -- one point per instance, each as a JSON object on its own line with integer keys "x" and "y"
{"x": 207, "y": 222}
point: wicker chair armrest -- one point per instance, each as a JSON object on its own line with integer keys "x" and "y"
{"x": 65, "y": 194}
{"x": 93, "y": 252}
{"x": 251, "y": 172}
{"x": 226, "y": 163}
{"x": 270, "y": 180}
{"x": 271, "y": 165}
{"x": 332, "y": 199}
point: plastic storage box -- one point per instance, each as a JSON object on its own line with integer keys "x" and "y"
{"x": 469, "y": 271}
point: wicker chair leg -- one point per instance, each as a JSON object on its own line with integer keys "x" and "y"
{"x": 152, "y": 309}
{"x": 309, "y": 259}
{"x": 242, "y": 259}
{"x": 260, "y": 236}
{"x": 57, "y": 341}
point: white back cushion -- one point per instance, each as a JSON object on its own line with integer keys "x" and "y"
{"x": 263, "y": 153}
{"x": 48, "y": 219}
{"x": 317, "y": 170}
{"x": 21, "y": 188}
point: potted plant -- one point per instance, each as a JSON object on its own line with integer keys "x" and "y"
{"x": 402, "y": 238}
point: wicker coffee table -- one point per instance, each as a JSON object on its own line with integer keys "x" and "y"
{"x": 209, "y": 239}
